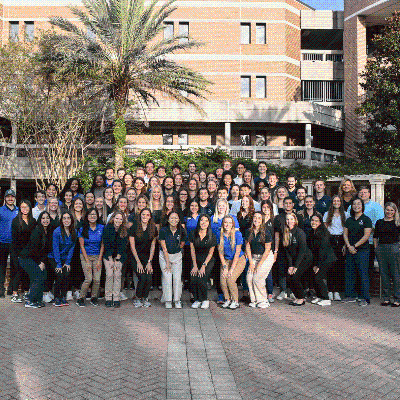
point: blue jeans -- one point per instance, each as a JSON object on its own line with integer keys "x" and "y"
{"x": 360, "y": 262}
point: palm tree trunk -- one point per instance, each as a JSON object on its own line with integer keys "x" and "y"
{"x": 119, "y": 129}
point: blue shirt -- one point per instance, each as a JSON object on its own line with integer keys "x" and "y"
{"x": 216, "y": 226}
{"x": 93, "y": 243}
{"x": 63, "y": 249}
{"x": 322, "y": 205}
{"x": 229, "y": 254}
{"x": 191, "y": 224}
{"x": 374, "y": 211}
{"x": 6, "y": 217}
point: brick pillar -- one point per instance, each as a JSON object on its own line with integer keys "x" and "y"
{"x": 355, "y": 57}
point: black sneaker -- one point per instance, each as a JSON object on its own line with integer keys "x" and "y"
{"x": 117, "y": 304}
{"x": 9, "y": 292}
{"x": 29, "y": 304}
{"x": 2, "y": 295}
{"x": 41, "y": 304}
{"x": 16, "y": 299}
{"x": 80, "y": 302}
{"x": 94, "y": 302}
{"x": 108, "y": 303}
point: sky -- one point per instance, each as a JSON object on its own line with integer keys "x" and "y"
{"x": 325, "y": 4}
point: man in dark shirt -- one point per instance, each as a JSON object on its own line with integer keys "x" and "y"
{"x": 322, "y": 201}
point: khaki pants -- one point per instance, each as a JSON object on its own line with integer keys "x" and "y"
{"x": 228, "y": 283}
{"x": 113, "y": 279}
{"x": 91, "y": 273}
{"x": 256, "y": 280}
{"x": 171, "y": 281}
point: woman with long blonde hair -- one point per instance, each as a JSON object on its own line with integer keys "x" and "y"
{"x": 232, "y": 259}
{"x": 347, "y": 192}
{"x": 279, "y": 197}
{"x": 386, "y": 243}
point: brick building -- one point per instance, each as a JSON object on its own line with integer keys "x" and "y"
{"x": 277, "y": 69}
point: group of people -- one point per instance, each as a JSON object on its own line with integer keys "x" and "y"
{"x": 186, "y": 231}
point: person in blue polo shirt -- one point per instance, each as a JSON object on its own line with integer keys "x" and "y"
{"x": 7, "y": 213}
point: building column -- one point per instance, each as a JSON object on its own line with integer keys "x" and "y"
{"x": 378, "y": 190}
{"x": 227, "y": 135}
{"x": 308, "y": 136}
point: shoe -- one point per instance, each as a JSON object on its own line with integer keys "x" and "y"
{"x": 146, "y": 303}
{"x": 315, "y": 300}
{"x": 220, "y": 299}
{"x": 41, "y": 304}
{"x": 395, "y": 304}
{"x": 282, "y": 295}
{"x": 330, "y": 295}
{"x": 69, "y": 295}
{"x": 292, "y": 296}
{"x": 298, "y": 304}
{"x": 168, "y": 304}
{"x": 336, "y": 296}
{"x": 363, "y": 303}
{"x": 137, "y": 303}
{"x": 94, "y": 302}
{"x": 234, "y": 305}
{"x": 25, "y": 296}
{"x": 80, "y": 303}
{"x": 349, "y": 300}
{"x": 77, "y": 294}
{"x": 226, "y": 304}
{"x": 196, "y": 304}
{"x": 205, "y": 304}
{"x": 51, "y": 295}
{"x": 245, "y": 299}
{"x": 108, "y": 303}
{"x": 384, "y": 303}
{"x": 9, "y": 292}
{"x": 16, "y": 299}
{"x": 122, "y": 296}
{"x": 57, "y": 302}
{"x": 271, "y": 298}
{"x": 117, "y": 304}
{"x": 252, "y": 305}
{"x": 47, "y": 298}
{"x": 263, "y": 304}
{"x": 88, "y": 295}
{"x": 29, "y": 304}
{"x": 178, "y": 304}
{"x": 64, "y": 302}
{"x": 325, "y": 302}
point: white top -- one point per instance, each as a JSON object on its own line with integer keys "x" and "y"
{"x": 336, "y": 228}
{"x": 238, "y": 180}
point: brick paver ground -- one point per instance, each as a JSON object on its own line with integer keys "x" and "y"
{"x": 338, "y": 352}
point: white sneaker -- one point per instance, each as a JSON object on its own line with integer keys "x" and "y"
{"x": 205, "y": 304}
{"x": 77, "y": 294}
{"x": 226, "y": 304}
{"x": 137, "y": 303}
{"x": 330, "y": 295}
{"x": 234, "y": 305}
{"x": 263, "y": 304}
{"x": 282, "y": 295}
{"x": 69, "y": 296}
{"x": 122, "y": 296}
{"x": 168, "y": 304}
{"x": 292, "y": 296}
{"x": 336, "y": 296}
{"x": 51, "y": 295}
{"x": 324, "y": 303}
{"x": 178, "y": 304}
{"x": 196, "y": 304}
{"x": 315, "y": 300}
{"x": 146, "y": 303}
{"x": 47, "y": 298}
{"x": 253, "y": 305}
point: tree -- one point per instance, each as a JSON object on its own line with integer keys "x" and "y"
{"x": 382, "y": 103}
{"x": 120, "y": 54}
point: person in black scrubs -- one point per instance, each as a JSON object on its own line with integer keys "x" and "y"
{"x": 202, "y": 247}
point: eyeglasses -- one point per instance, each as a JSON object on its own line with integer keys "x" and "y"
{"x": 183, "y": 194}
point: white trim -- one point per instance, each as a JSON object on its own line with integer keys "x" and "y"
{"x": 28, "y": 19}
{"x": 284, "y": 75}
{"x": 365, "y": 9}
{"x": 234, "y": 57}
{"x": 40, "y": 3}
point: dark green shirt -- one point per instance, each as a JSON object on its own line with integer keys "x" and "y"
{"x": 356, "y": 229}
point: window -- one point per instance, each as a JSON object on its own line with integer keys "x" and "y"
{"x": 167, "y": 135}
{"x": 334, "y": 57}
{"x": 182, "y": 137}
{"x": 14, "y": 31}
{"x": 245, "y": 33}
{"x": 261, "y": 87}
{"x": 313, "y": 57}
{"x": 168, "y": 30}
{"x": 29, "y": 31}
{"x": 245, "y": 88}
{"x": 324, "y": 91}
{"x": 261, "y": 34}
{"x": 184, "y": 31}
{"x": 245, "y": 140}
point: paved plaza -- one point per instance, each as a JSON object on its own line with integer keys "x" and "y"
{"x": 338, "y": 352}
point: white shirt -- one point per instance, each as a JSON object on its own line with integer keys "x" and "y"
{"x": 336, "y": 227}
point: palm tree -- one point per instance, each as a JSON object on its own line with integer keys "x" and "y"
{"x": 120, "y": 54}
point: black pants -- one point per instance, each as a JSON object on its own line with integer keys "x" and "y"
{"x": 216, "y": 274}
{"x": 198, "y": 284}
{"x": 17, "y": 274}
{"x": 37, "y": 279}
{"x": 336, "y": 273}
{"x": 51, "y": 276}
{"x": 156, "y": 267}
{"x": 144, "y": 281}
{"x": 320, "y": 278}
{"x": 76, "y": 275}
{"x": 62, "y": 280}
{"x": 4, "y": 252}
{"x": 294, "y": 281}
{"x": 186, "y": 264}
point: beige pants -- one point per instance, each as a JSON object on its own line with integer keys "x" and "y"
{"x": 171, "y": 280}
{"x": 113, "y": 279}
{"x": 228, "y": 283}
{"x": 256, "y": 280}
{"x": 91, "y": 273}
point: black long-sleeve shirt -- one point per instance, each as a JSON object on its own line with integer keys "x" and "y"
{"x": 297, "y": 252}
{"x": 114, "y": 244}
{"x": 321, "y": 248}
{"x": 21, "y": 234}
{"x": 39, "y": 245}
